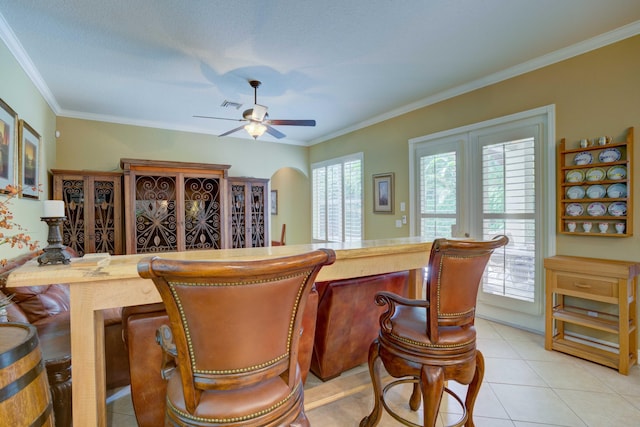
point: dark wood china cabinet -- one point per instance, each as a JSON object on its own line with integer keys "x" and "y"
{"x": 174, "y": 206}
{"x": 93, "y": 210}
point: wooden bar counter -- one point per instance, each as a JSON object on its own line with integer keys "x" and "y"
{"x": 115, "y": 283}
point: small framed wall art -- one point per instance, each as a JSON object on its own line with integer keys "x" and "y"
{"x": 29, "y": 154}
{"x": 274, "y": 202}
{"x": 383, "y": 193}
{"x": 8, "y": 144}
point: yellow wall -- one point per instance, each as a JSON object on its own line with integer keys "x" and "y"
{"x": 597, "y": 93}
{"x": 19, "y": 92}
{"x": 86, "y": 144}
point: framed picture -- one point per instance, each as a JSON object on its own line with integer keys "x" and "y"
{"x": 274, "y": 202}
{"x": 8, "y": 144}
{"x": 383, "y": 193}
{"x": 29, "y": 155}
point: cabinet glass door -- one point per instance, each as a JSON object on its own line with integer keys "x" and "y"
{"x": 257, "y": 216}
{"x": 155, "y": 214}
{"x": 202, "y": 213}
{"x": 73, "y": 228}
{"x": 238, "y": 216}
{"x": 104, "y": 211}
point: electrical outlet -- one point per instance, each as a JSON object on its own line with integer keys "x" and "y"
{"x": 398, "y": 223}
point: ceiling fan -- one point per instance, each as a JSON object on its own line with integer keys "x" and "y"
{"x": 258, "y": 118}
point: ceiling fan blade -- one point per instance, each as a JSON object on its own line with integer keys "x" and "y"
{"x": 221, "y": 118}
{"x": 232, "y": 131}
{"x": 275, "y": 132}
{"x": 293, "y": 122}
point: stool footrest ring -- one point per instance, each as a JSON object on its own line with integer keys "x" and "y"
{"x": 459, "y": 423}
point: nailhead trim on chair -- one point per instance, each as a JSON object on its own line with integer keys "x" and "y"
{"x": 185, "y": 326}
{"x": 235, "y": 419}
{"x": 421, "y": 344}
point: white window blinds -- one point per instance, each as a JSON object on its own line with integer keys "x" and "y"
{"x": 337, "y": 199}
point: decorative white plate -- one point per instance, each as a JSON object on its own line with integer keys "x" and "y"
{"x": 596, "y": 191}
{"x": 595, "y": 174}
{"x": 575, "y": 175}
{"x": 583, "y": 158}
{"x": 574, "y": 209}
{"x": 617, "y": 172}
{"x": 575, "y": 193}
{"x": 609, "y": 155}
{"x": 617, "y": 190}
{"x": 617, "y": 209}
{"x": 596, "y": 209}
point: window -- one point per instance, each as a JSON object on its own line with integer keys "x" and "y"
{"x": 484, "y": 180}
{"x": 337, "y": 199}
{"x": 508, "y": 207}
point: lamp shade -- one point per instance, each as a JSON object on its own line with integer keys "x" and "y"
{"x": 255, "y": 129}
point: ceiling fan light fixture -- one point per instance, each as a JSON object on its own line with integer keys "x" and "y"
{"x": 255, "y": 129}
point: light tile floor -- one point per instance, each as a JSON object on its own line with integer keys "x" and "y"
{"x": 524, "y": 386}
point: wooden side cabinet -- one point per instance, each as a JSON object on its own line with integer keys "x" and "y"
{"x": 174, "y": 206}
{"x": 93, "y": 207}
{"x": 249, "y": 219}
{"x": 595, "y": 295}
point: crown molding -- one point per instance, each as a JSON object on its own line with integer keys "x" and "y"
{"x": 17, "y": 50}
{"x": 161, "y": 125}
{"x": 585, "y": 46}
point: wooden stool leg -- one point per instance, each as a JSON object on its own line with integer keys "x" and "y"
{"x": 474, "y": 388}
{"x": 416, "y": 397}
{"x": 432, "y": 382}
{"x": 374, "y": 371}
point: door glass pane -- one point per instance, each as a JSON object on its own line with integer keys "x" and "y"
{"x": 508, "y": 206}
{"x": 438, "y": 187}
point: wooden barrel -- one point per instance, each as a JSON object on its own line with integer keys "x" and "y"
{"x": 25, "y": 399}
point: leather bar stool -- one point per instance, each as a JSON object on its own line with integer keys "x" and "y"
{"x": 234, "y": 333}
{"x": 429, "y": 342}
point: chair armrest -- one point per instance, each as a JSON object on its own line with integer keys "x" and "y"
{"x": 393, "y": 300}
{"x": 164, "y": 338}
{"x": 384, "y": 297}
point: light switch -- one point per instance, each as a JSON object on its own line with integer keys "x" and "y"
{"x": 403, "y": 207}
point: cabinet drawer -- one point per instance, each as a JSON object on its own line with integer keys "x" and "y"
{"x": 588, "y": 285}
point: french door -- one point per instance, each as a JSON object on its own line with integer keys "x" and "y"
{"x": 485, "y": 180}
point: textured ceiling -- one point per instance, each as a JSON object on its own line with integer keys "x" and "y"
{"x": 343, "y": 63}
